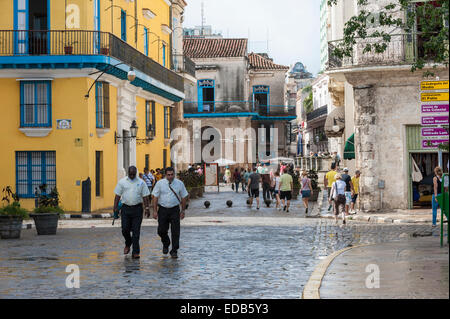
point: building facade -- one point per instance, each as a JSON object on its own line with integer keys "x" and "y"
{"x": 236, "y": 90}
{"x": 77, "y": 81}
{"x": 381, "y": 97}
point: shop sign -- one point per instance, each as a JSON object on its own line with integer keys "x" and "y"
{"x": 435, "y": 120}
{"x": 434, "y": 85}
{"x": 429, "y": 144}
{"x": 434, "y": 97}
{"x": 435, "y": 108}
{"x": 434, "y": 132}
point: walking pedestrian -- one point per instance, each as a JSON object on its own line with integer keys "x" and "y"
{"x": 286, "y": 186}
{"x": 148, "y": 179}
{"x": 228, "y": 175}
{"x": 253, "y": 185}
{"x": 329, "y": 179}
{"x": 337, "y": 196}
{"x": 355, "y": 182}
{"x": 349, "y": 190}
{"x": 245, "y": 182}
{"x": 437, "y": 191}
{"x": 276, "y": 191}
{"x": 306, "y": 188}
{"x": 132, "y": 192}
{"x": 237, "y": 179}
{"x": 169, "y": 204}
{"x": 265, "y": 176}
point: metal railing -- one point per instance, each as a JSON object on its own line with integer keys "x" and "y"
{"x": 79, "y": 42}
{"x": 317, "y": 113}
{"x": 183, "y": 64}
{"x": 194, "y": 107}
{"x": 319, "y": 164}
{"x": 402, "y": 49}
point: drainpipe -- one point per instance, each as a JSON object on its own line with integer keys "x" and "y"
{"x": 135, "y": 23}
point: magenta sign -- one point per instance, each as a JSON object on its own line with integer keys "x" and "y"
{"x": 433, "y": 143}
{"x": 435, "y": 108}
{"x": 434, "y": 131}
{"x": 435, "y": 120}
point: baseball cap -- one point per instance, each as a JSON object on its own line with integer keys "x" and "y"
{"x": 345, "y": 169}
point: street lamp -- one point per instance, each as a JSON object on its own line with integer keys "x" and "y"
{"x": 131, "y": 75}
{"x": 133, "y": 133}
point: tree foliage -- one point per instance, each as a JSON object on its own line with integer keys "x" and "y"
{"x": 308, "y": 102}
{"x": 427, "y": 19}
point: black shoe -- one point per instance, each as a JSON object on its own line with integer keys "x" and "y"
{"x": 306, "y": 212}
{"x": 343, "y": 222}
{"x": 165, "y": 250}
{"x": 284, "y": 208}
{"x": 173, "y": 254}
{"x": 287, "y": 211}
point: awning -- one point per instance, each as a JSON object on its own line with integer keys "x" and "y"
{"x": 349, "y": 150}
{"x": 335, "y": 122}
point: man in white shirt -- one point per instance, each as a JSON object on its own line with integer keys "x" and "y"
{"x": 132, "y": 191}
{"x": 168, "y": 195}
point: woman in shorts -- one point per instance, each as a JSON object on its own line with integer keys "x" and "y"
{"x": 306, "y": 188}
{"x": 276, "y": 188}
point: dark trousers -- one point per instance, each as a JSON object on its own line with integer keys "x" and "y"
{"x": 169, "y": 217}
{"x": 131, "y": 223}
{"x": 266, "y": 191}
{"x": 237, "y": 186}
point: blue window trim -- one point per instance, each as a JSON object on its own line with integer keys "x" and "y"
{"x": 97, "y": 23}
{"x": 49, "y": 104}
{"x": 16, "y": 40}
{"x": 29, "y": 180}
{"x": 98, "y": 113}
{"x": 146, "y": 41}
{"x": 267, "y": 93}
{"x": 123, "y": 25}
{"x": 164, "y": 54}
{"x": 166, "y": 121}
{"x": 200, "y": 93}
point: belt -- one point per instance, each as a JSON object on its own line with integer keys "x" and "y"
{"x": 138, "y": 205}
{"x": 168, "y": 207}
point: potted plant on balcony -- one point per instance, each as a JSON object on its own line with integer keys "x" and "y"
{"x": 47, "y": 213}
{"x": 11, "y": 215}
{"x": 104, "y": 51}
{"x": 68, "y": 47}
{"x": 312, "y": 175}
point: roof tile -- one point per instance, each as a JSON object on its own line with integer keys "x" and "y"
{"x": 214, "y": 48}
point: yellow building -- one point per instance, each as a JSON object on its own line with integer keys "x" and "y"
{"x": 68, "y": 103}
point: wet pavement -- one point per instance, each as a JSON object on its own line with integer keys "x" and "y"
{"x": 216, "y": 260}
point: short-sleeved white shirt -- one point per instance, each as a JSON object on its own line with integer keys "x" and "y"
{"x": 131, "y": 192}
{"x": 166, "y": 198}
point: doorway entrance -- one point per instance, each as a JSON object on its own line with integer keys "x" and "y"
{"x": 38, "y": 25}
{"x": 422, "y": 191}
{"x": 261, "y": 99}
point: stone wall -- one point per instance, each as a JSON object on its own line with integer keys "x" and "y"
{"x": 386, "y": 100}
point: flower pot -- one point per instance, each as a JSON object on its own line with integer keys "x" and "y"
{"x": 68, "y": 49}
{"x": 314, "y": 195}
{"x": 10, "y": 227}
{"x": 46, "y": 223}
{"x": 192, "y": 193}
{"x": 104, "y": 51}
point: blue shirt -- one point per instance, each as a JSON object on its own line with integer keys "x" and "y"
{"x": 148, "y": 179}
{"x": 166, "y": 198}
{"x": 131, "y": 192}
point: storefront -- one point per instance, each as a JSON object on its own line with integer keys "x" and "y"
{"x": 420, "y": 192}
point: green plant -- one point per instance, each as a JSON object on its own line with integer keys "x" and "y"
{"x": 308, "y": 103}
{"x": 12, "y": 208}
{"x": 48, "y": 203}
{"x": 312, "y": 175}
{"x": 295, "y": 179}
{"x": 191, "y": 179}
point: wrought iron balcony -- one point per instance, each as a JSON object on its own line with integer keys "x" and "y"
{"x": 402, "y": 49}
{"x": 79, "y": 42}
{"x": 321, "y": 111}
{"x": 183, "y": 64}
{"x": 232, "y": 107}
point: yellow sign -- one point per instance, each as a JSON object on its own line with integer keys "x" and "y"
{"x": 433, "y": 85}
{"x": 434, "y": 97}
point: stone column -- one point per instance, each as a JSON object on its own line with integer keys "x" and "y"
{"x": 366, "y": 123}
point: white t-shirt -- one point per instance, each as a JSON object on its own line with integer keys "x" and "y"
{"x": 131, "y": 192}
{"x": 277, "y": 183}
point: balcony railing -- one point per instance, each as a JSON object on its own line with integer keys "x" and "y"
{"x": 183, "y": 64}
{"x": 317, "y": 113}
{"x": 194, "y": 107}
{"x": 79, "y": 42}
{"x": 402, "y": 49}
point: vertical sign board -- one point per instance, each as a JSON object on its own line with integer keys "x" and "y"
{"x": 211, "y": 174}
{"x": 434, "y": 108}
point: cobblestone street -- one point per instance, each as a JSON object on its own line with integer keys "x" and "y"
{"x": 216, "y": 260}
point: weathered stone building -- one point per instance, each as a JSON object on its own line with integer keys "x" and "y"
{"x": 381, "y": 97}
{"x": 235, "y": 90}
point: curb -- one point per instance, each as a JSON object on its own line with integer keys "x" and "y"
{"x": 312, "y": 287}
{"x": 380, "y": 220}
{"x": 87, "y": 216}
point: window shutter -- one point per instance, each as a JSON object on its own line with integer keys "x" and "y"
{"x": 106, "y": 105}
{"x": 153, "y": 118}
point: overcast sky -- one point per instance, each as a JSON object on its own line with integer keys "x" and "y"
{"x": 293, "y": 26}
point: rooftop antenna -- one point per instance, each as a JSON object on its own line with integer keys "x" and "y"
{"x": 203, "y": 17}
